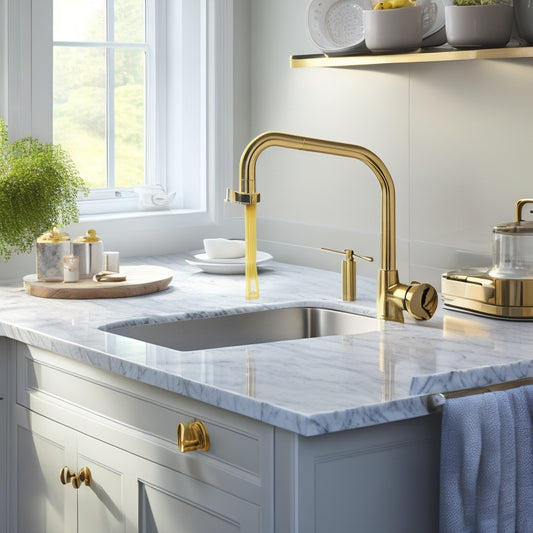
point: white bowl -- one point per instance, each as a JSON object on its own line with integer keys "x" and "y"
{"x": 393, "y": 30}
{"x": 486, "y": 26}
{"x": 224, "y": 248}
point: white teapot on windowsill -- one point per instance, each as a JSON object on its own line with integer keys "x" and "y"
{"x": 153, "y": 197}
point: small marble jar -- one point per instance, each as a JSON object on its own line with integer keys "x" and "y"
{"x": 90, "y": 250}
{"x": 50, "y": 249}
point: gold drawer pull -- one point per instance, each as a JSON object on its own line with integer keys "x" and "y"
{"x": 83, "y": 476}
{"x": 192, "y": 436}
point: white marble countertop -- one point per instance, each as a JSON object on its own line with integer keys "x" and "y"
{"x": 310, "y": 386}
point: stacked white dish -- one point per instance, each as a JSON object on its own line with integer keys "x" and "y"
{"x": 337, "y": 27}
{"x": 224, "y": 256}
{"x": 433, "y": 23}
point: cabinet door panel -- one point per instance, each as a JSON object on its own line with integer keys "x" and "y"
{"x": 100, "y": 506}
{"x": 173, "y": 503}
{"x": 110, "y": 503}
{"x": 43, "y": 504}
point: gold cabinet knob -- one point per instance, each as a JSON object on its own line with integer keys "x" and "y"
{"x": 192, "y": 436}
{"x": 67, "y": 476}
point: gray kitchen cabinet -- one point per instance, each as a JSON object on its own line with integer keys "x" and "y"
{"x": 43, "y": 448}
{"x": 70, "y": 414}
{"x": 3, "y": 436}
{"x": 382, "y": 478}
{"x": 254, "y": 478}
{"x": 126, "y": 494}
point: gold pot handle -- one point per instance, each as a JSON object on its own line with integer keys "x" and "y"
{"x": 192, "y": 436}
{"x": 66, "y": 476}
{"x": 519, "y": 205}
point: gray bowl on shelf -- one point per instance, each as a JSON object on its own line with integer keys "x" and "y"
{"x": 486, "y": 26}
{"x": 393, "y": 30}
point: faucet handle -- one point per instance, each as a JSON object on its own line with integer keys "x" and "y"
{"x": 348, "y": 272}
{"x": 350, "y": 254}
{"x": 421, "y": 300}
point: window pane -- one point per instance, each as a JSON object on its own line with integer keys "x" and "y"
{"x": 129, "y": 117}
{"x": 79, "y": 20}
{"x": 129, "y": 21}
{"x": 79, "y": 109}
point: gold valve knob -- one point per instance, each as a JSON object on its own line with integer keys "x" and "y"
{"x": 192, "y": 436}
{"x": 421, "y": 300}
{"x": 67, "y": 476}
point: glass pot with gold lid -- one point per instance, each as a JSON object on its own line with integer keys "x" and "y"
{"x": 512, "y": 247}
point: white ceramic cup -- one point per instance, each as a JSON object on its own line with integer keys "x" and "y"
{"x": 219, "y": 248}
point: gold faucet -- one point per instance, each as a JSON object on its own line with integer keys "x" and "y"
{"x": 393, "y": 297}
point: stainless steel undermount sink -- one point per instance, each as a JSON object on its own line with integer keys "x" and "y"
{"x": 248, "y": 328}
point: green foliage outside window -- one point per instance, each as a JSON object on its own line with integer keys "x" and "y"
{"x": 80, "y": 105}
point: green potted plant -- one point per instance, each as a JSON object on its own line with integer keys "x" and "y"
{"x": 39, "y": 187}
{"x": 479, "y": 23}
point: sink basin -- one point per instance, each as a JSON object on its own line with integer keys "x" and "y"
{"x": 249, "y": 328}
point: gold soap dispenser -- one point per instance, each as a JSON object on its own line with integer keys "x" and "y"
{"x": 349, "y": 268}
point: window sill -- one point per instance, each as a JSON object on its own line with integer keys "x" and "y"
{"x": 187, "y": 215}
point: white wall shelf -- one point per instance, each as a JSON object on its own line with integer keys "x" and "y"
{"x": 444, "y": 53}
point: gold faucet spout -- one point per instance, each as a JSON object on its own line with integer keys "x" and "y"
{"x": 392, "y": 296}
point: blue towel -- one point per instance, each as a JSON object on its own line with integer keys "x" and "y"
{"x": 487, "y": 463}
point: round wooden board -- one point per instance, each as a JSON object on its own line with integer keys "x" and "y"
{"x": 141, "y": 279}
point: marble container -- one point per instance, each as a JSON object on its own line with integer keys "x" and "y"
{"x": 50, "y": 249}
{"x": 90, "y": 250}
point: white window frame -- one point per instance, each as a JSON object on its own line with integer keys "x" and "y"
{"x": 29, "y": 106}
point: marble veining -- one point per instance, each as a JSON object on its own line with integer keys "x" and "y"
{"x": 310, "y": 386}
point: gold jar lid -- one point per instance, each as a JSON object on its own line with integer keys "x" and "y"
{"x": 54, "y": 235}
{"x": 90, "y": 236}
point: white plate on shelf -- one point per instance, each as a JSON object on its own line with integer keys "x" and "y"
{"x": 433, "y": 20}
{"x": 336, "y": 26}
{"x": 229, "y": 266}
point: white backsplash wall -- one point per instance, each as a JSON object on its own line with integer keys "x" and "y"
{"x": 456, "y": 137}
